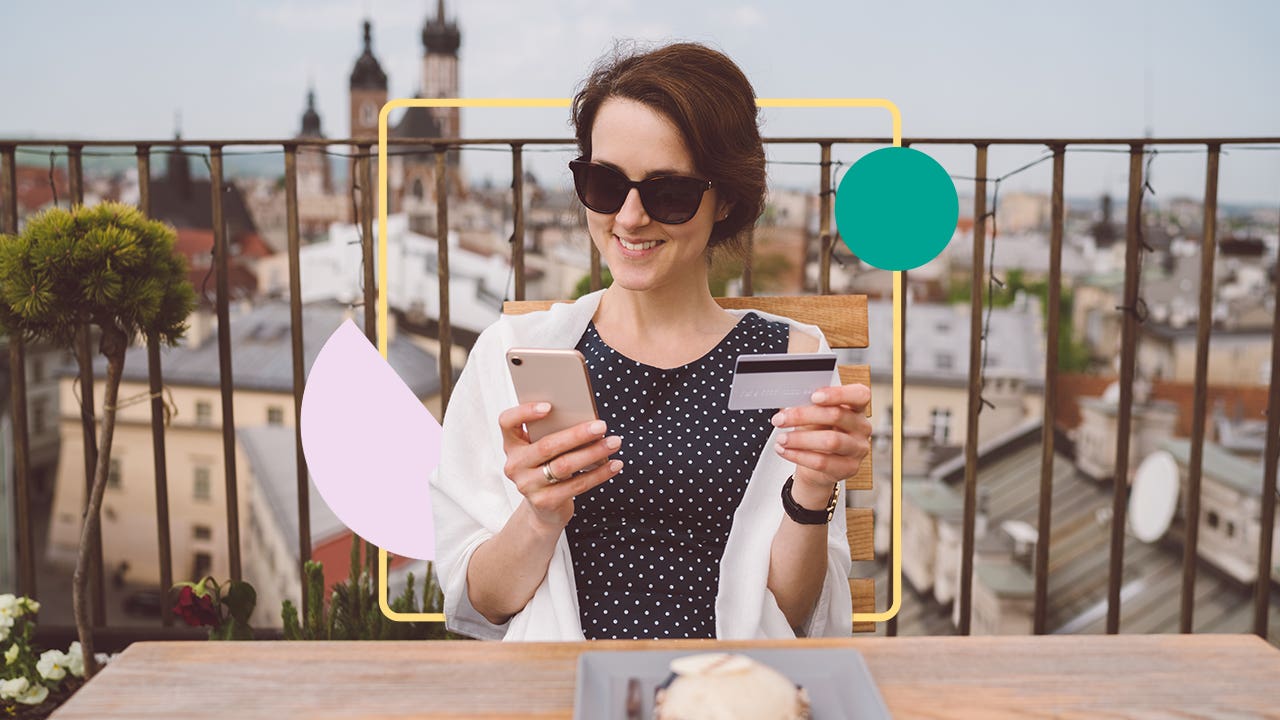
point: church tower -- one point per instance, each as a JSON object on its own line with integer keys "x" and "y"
{"x": 368, "y": 95}
{"x": 440, "y": 42}
{"x": 314, "y": 175}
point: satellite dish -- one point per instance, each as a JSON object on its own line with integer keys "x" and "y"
{"x": 1111, "y": 395}
{"x": 1154, "y": 496}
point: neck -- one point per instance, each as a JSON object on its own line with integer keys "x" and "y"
{"x": 664, "y": 311}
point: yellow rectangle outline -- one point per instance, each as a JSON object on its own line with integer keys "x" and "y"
{"x": 898, "y": 298}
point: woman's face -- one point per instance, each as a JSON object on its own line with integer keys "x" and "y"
{"x": 642, "y": 143}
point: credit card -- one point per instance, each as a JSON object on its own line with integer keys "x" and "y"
{"x": 778, "y": 380}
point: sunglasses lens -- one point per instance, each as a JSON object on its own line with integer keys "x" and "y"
{"x": 672, "y": 200}
{"x": 668, "y": 200}
{"x": 602, "y": 189}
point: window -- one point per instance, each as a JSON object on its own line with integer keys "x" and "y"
{"x": 940, "y": 424}
{"x": 201, "y": 564}
{"x": 203, "y": 487}
{"x": 944, "y": 361}
{"x": 202, "y": 532}
{"x": 114, "y": 474}
{"x": 1212, "y": 519}
{"x": 204, "y": 412}
{"x": 368, "y": 114}
{"x": 39, "y": 417}
{"x": 1231, "y": 529}
{"x": 275, "y": 415}
{"x": 37, "y": 370}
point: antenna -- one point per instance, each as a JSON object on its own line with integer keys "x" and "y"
{"x": 1154, "y": 496}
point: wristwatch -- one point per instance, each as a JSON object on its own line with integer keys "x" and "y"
{"x": 803, "y": 515}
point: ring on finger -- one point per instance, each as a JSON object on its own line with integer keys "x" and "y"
{"x": 548, "y": 474}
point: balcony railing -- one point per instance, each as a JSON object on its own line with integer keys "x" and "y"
{"x": 365, "y": 151}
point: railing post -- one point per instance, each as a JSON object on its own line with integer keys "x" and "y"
{"x": 88, "y": 419}
{"x": 975, "y": 389}
{"x": 517, "y": 229}
{"x": 1262, "y": 587}
{"x": 596, "y": 282}
{"x": 1054, "y": 301}
{"x": 1128, "y": 358}
{"x": 299, "y": 372}
{"x": 227, "y": 383}
{"x": 367, "y": 200}
{"x": 1204, "y": 325}
{"x": 25, "y": 539}
{"x": 442, "y": 273}
{"x": 824, "y": 221}
{"x": 164, "y": 538}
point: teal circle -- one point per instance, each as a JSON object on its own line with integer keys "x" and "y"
{"x": 896, "y": 208}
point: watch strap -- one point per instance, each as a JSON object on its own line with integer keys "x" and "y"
{"x": 803, "y": 515}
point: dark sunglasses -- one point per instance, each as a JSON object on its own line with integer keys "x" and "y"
{"x": 668, "y": 199}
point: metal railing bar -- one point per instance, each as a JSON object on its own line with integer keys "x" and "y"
{"x": 221, "y": 264}
{"x": 1191, "y": 537}
{"x": 442, "y": 273}
{"x": 1124, "y": 413}
{"x": 296, "y": 348}
{"x": 517, "y": 220}
{"x": 155, "y": 381}
{"x": 975, "y": 391}
{"x": 1045, "y": 518}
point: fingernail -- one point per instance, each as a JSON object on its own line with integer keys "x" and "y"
{"x": 818, "y": 397}
{"x": 777, "y": 418}
{"x": 781, "y": 450}
{"x": 782, "y": 441}
{"x": 543, "y": 407}
{"x": 615, "y": 465}
{"x": 597, "y": 427}
{"x": 613, "y": 442}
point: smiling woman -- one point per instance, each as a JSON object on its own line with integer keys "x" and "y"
{"x": 670, "y": 515}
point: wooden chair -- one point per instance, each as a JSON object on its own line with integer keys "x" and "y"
{"x": 843, "y": 319}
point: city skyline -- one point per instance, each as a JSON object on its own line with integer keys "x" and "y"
{"x": 1003, "y": 70}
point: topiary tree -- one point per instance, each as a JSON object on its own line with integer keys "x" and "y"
{"x": 106, "y": 266}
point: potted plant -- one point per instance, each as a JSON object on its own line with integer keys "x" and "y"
{"x": 108, "y": 267}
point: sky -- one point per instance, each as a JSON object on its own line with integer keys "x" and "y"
{"x": 991, "y": 68}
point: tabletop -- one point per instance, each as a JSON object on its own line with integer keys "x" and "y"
{"x": 1076, "y": 676}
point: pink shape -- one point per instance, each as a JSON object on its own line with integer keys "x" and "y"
{"x": 370, "y": 445}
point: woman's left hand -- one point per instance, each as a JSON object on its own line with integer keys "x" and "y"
{"x": 829, "y": 438}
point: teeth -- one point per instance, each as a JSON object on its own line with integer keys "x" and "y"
{"x": 636, "y": 247}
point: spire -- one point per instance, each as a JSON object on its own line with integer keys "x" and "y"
{"x": 367, "y": 73}
{"x": 439, "y": 35}
{"x": 311, "y": 118}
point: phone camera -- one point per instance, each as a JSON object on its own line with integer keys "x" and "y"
{"x": 516, "y": 361}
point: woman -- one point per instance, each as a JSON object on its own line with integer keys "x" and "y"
{"x": 681, "y": 529}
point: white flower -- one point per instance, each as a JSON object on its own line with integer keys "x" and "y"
{"x": 9, "y": 605}
{"x": 11, "y": 655}
{"x": 75, "y": 659}
{"x": 32, "y": 605}
{"x": 10, "y": 689}
{"x": 53, "y": 664}
{"x": 34, "y": 695}
{"x": 6, "y": 622}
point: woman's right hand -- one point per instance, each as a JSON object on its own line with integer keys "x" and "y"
{"x": 568, "y": 451}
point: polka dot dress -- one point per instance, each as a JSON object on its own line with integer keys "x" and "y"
{"x": 646, "y": 545}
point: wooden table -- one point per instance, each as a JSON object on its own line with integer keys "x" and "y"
{"x": 1118, "y": 676}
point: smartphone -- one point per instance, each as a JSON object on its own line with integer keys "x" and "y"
{"x": 556, "y": 376}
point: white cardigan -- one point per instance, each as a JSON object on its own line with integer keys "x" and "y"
{"x": 472, "y": 499}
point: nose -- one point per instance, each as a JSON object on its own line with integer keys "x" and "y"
{"x": 632, "y": 213}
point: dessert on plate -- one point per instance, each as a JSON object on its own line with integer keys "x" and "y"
{"x": 726, "y": 686}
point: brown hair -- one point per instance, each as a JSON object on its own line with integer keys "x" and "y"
{"x": 712, "y": 103}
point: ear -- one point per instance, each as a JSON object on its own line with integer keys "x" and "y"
{"x": 723, "y": 209}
